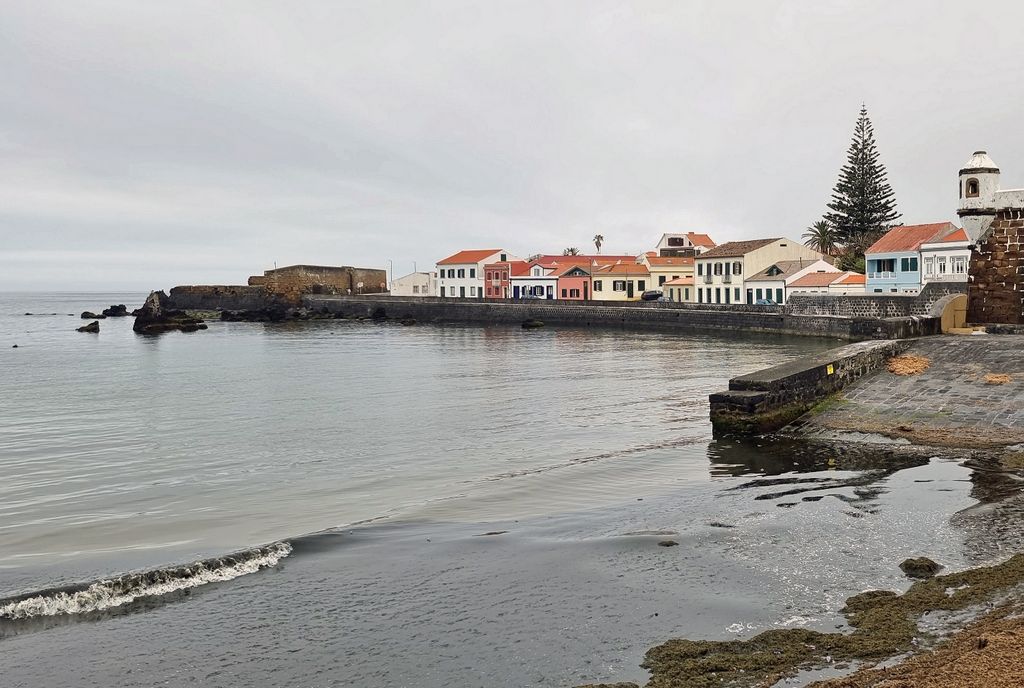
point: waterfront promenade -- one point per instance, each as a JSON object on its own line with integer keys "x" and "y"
{"x": 950, "y": 404}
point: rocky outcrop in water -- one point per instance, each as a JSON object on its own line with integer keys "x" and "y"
{"x": 921, "y": 567}
{"x": 89, "y": 315}
{"x": 94, "y": 326}
{"x": 118, "y": 311}
{"x": 155, "y": 317}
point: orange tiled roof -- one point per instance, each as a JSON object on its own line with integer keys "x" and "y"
{"x": 700, "y": 240}
{"x": 910, "y": 237}
{"x": 470, "y": 256}
{"x": 622, "y": 269}
{"x": 670, "y": 260}
{"x": 852, "y": 278}
{"x": 680, "y": 282}
{"x": 816, "y": 279}
{"x": 958, "y": 235}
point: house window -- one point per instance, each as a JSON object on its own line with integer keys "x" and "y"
{"x": 727, "y": 268}
{"x": 700, "y": 269}
{"x": 504, "y": 257}
{"x": 941, "y": 261}
{"x": 908, "y": 264}
{"x": 661, "y": 280}
{"x": 959, "y": 265}
{"x": 472, "y": 272}
{"x": 564, "y": 293}
{"x": 686, "y": 294}
{"x": 929, "y": 266}
{"x": 641, "y": 285}
{"x": 778, "y": 296}
{"x": 972, "y": 188}
{"x": 700, "y": 296}
{"x": 619, "y": 285}
{"x": 736, "y": 294}
{"x": 718, "y": 293}
{"x": 574, "y": 293}
{"x": 718, "y": 268}
{"x": 727, "y": 291}
{"x": 597, "y": 285}
{"x": 442, "y": 291}
{"x": 472, "y": 291}
{"x": 415, "y": 289}
{"x": 737, "y": 268}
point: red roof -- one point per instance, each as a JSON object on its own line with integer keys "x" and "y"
{"x": 679, "y": 282}
{"x": 470, "y": 256}
{"x": 852, "y": 278}
{"x": 958, "y": 235}
{"x": 583, "y": 259}
{"x": 700, "y": 240}
{"x": 519, "y": 268}
{"x": 622, "y": 269}
{"x": 910, "y": 237}
{"x": 816, "y": 279}
{"x": 670, "y": 260}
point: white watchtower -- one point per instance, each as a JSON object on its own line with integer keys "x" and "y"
{"x": 979, "y": 184}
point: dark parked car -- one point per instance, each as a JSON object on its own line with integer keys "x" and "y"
{"x": 652, "y": 295}
{"x": 765, "y": 302}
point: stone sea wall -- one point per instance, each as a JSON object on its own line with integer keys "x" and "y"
{"x": 875, "y": 305}
{"x": 646, "y": 315}
{"x": 220, "y": 297}
{"x": 770, "y": 399}
{"x": 996, "y": 293}
{"x": 297, "y": 280}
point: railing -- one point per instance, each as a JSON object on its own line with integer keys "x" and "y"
{"x": 726, "y": 279}
{"x": 495, "y": 282}
{"x": 707, "y": 279}
{"x": 882, "y": 275}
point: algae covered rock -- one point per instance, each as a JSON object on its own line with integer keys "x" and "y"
{"x": 94, "y": 326}
{"x": 920, "y": 567}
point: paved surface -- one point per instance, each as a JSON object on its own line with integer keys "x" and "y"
{"x": 950, "y": 404}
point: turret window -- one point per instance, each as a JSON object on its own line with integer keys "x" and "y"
{"x": 971, "y": 190}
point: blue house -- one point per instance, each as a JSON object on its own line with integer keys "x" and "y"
{"x": 893, "y": 263}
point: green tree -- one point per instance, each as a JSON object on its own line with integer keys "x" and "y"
{"x": 821, "y": 236}
{"x": 571, "y": 251}
{"x": 598, "y": 240}
{"x": 863, "y": 204}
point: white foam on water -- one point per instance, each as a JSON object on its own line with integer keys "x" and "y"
{"x": 106, "y": 594}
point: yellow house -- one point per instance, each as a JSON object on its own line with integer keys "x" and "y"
{"x": 679, "y": 290}
{"x": 621, "y": 281}
{"x": 666, "y": 268}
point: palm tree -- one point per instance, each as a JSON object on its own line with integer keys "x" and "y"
{"x": 821, "y": 236}
{"x": 598, "y": 240}
{"x": 571, "y": 251}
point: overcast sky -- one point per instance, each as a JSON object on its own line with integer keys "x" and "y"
{"x": 146, "y": 144}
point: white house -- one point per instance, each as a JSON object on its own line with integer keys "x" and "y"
{"x": 946, "y": 260}
{"x": 773, "y": 282}
{"x": 721, "y": 271}
{"x": 415, "y": 284}
{"x": 462, "y": 274}
{"x": 533, "y": 280}
{"x": 828, "y": 283}
{"x": 688, "y": 244}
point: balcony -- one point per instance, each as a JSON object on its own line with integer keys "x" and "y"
{"x": 707, "y": 279}
{"x": 881, "y": 275}
{"x": 495, "y": 282}
{"x": 726, "y": 279}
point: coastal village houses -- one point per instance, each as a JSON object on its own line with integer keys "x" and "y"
{"x": 689, "y": 244}
{"x": 462, "y": 274}
{"x": 721, "y": 271}
{"x": 827, "y": 283}
{"x": 894, "y": 262}
{"x": 774, "y": 282}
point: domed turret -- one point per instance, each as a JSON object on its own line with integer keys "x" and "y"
{"x": 979, "y": 182}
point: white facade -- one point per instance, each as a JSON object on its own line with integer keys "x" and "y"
{"x": 415, "y": 284}
{"x": 720, "y": 273}
{"x": 688, "y": 244}
{"x": 980, "y": 195}
{"x": 462, "y": 274}
{"x": 539, "y": 282}
{"x": 765, "y": 286}
{"x": 945, "y": 261}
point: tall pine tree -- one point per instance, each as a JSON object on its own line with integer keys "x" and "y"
{"x": 863, "y": 205}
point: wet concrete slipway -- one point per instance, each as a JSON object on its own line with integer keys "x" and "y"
{"x": 444, "y": 506}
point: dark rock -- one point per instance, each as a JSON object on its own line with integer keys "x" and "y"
{"x": 15, "y": 346}
{"x": 532, "y": 324}
{"x": 667, "y": 543}
{"x": 408, "y": 322}
{"x": 118, "y": 311}
{"x": 921, "y": 567}
{"x": 89, "y": 315}
{"x": 155, "y": 317}
{"x": 94, "y": 326}
{"x": 28, "y": 314}
{"x": 135, "y": 313}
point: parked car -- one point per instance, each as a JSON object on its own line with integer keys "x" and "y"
{"x": 651, "y": 295}
{"x": 765, "y": 302}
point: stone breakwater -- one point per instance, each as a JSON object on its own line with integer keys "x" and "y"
{"x": 687, "y": 317}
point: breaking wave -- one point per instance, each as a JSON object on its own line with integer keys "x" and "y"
{"x": 115, "y": 592}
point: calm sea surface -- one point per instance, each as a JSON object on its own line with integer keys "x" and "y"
{"x": 451, "y": 506}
